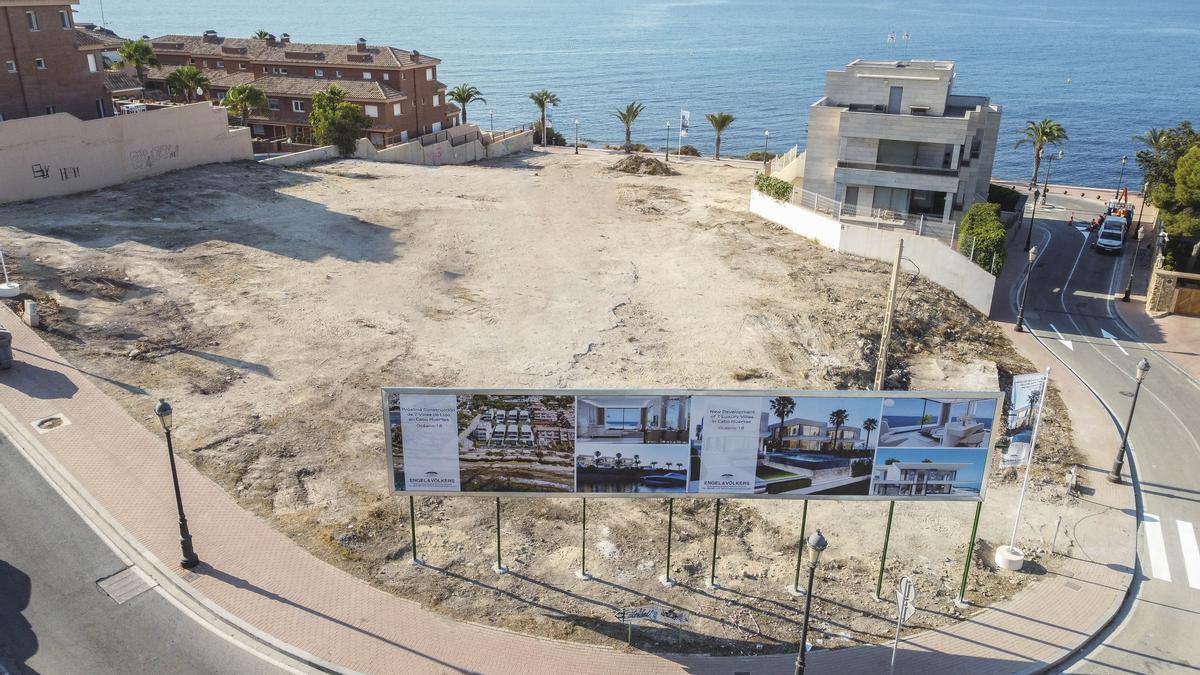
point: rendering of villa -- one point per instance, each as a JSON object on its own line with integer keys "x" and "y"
{"x": 633, "y": 419}
{"x": 936, "y": 422}
{"x": 923, "y": 472}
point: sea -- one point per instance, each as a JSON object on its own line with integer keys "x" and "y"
{"x": 1105, "y": 69}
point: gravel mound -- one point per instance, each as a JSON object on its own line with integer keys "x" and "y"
{"x": 646, "y": 166}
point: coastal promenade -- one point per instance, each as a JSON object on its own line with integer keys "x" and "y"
{"x": 259, "y": 587}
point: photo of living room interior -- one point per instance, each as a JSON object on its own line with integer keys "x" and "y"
{"x": 632, "y": 419}
{"x": 936, "y": 422}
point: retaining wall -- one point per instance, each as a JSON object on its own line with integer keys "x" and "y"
{"x": 416, "y": 152}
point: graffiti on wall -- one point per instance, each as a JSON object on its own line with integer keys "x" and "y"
{"x": 43, "y": 171}
{"x": 145, "y": 159}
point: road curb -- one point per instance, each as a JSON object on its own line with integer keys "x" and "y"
{"x": 177, "y": 590}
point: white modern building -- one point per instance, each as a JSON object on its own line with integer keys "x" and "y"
{"x": 890, "y": 139}
{"x": 915, "y": 479}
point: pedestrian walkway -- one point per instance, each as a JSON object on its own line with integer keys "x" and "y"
{"x": 257, "y": 574}
{"x": 1175, "y": 337}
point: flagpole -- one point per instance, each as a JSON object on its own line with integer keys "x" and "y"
{"x": 1012, "y": 542}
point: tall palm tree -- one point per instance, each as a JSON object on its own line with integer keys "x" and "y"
{"x": 870, "y": 424}
{"x": 628, "y": 116}
{"x": 637, "y": 461}
{"x": 261, "y": 34}
{"x": 542, "y": 99}
{"x": 618, "y": 459}
{"x": 464, "y": 94}
{"x": 1039, "y": 135}
{"x": 720, "y": 121}
{"x": 186, "y": 80}
{"x": 838, "y": 418}
{"x": 782, "y": 406}
{"x": 244, "y": 99}
{"x": 139, "y": 54}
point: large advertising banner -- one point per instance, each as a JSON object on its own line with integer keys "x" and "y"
{"x": 604, "y": 443}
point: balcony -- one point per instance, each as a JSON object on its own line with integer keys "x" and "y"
{"x": 902, "y": 168}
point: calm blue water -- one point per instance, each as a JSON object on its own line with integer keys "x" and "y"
{"x": 1131, "y": 65}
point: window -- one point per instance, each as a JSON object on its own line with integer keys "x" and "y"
{"x": 50, "y": 110}
{"x": 396, "y": 109}
{"x": 220, "y": 64}
{"x": 371, "y": 110}
{"x": 623, "y": 418}
{"x": 278, "y": 71}
{"x": 99, "y": 108}
{"x": 386, "y": 77}
{"x": 297, "y": 106}
{"x": 241, "y": 66}
{"x": 31, "y": 20}
{"x": 192, "y": 61}
{"x": 366, "y": 74}
{"x": 429, "y": 73}
{"x": 204, "y": 63}
{"x": 65, "y": 18}
{"x": 272, "y": 104}
{"x": 10, "y": 66}
{"x": 436, "y": 99}
{"x": 40, "y": 63}
{"x": 337, "y": 73}
{"x": 319, "y": 73}
{"x": 92, "y": 62}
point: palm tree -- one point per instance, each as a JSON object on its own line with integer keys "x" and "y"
{"x": 1154, "y": 138}
{"x": 628, "y": 116}
{"x": 837, "y": 418}
{"x": 244, "y": 99}
{"x": 870, "y": 424}
{"x": 637, "y": 461}
{"x": 1039, "y": 135}
{"x": 597, "y": 453}
{"x": 261, "y": 34}
{"x": 542, "y": 99}
{"x": 139, "y": 54}
{"x": 186, "y": 80}
{"x": 782, "y": 406}
{"x": 720, "y": 121}
{"x": 618, "y": 459}
{"x": 654, "y": 466}
{"x": 464, "y": 94}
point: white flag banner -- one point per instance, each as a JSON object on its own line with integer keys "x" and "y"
{"x": 549, "y": 119}
{"x": 1026, "y": 407}
{"x": 685, "y": 122}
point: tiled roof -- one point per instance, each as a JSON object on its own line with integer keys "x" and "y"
{"x": 217, "y": 78}
{"x": 356, "y": 90}
{"x": 102, "y": 38}
{"x": 119, "y": 81}
{"x": 290, "y": 52}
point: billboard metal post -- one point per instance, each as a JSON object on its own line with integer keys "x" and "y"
{"x": 795, "y": 589}
{"x": 961, "y": 600}
{"x": 412, "y": 529}
{"x": 583, "y": 573}
{"x": 883, "y": 558}
{"x": 499, "y": 568}
{"x": 712, "y": 568}
{"x": 667, "y": 580}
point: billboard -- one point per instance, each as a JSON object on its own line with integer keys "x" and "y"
{"x": 743, "y": 443}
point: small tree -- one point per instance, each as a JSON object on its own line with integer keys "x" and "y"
{"x": 628, "y": 116}
{"x": 720, "y": 121}
{"x": 541, "y": 99}
{"x": 464, "y": 94}
{"x": 870, "y": 424}
{"x": 261, "y": 34}
{"x": 982, "y": 235}
{"x": 139, "y": 54}
{"x": 188, "y": 83}
{"x": 336, "y": 121}
{"x": 244, "y": 99}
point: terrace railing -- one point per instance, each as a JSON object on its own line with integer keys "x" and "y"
{"x": 920, "y": 224}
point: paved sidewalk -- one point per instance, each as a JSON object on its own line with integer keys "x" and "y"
{"x": 1175, "y": 337}
{"x": 255, "y": 573}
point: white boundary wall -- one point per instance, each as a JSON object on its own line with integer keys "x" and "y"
{"x": 56, "y": 155}
{"x": 937, "y": 261}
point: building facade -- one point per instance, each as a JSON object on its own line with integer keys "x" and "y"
{"x": 909, "y": 479}
{"x": 811, "y": 435}
{"x": 397, "y": 89}
{"x": 46, "y": 65}
{"x": 889, "y": 138}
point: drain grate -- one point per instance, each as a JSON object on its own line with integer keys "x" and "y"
{"x": 124, "y": 585}
{"x": 50, "y": 423}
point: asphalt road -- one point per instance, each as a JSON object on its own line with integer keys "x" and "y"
{"x": 1071, "y": 309}
{"x": 54, "y": 618}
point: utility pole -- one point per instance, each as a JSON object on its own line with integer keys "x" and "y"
{"x": 881, "y": 364}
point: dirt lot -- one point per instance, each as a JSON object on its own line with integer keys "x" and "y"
{"x": 269, "y": 306}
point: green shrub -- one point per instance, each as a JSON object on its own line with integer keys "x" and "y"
{"x": 982, "y": 235}
{"x": 1006, "y": 197}
{"x": 759, "y": 156}
{"x": 779, "y": 190}
{"x": 688, "y": 151}
{"x": 554, "y": 138}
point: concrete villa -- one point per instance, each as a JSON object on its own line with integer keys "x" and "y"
{"x": 915, "y": 478}
{"x": 890, "y": 139}
{"x": 802, "y": 434}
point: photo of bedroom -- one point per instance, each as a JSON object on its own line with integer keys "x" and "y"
{"x": 937, "y": 422}
{"x": 632, "y": 419}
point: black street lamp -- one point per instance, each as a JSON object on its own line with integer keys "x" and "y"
{"x": 1114, "y": 476}
{"x": 163, "y": 410}
{"x": 1124, "y": 159}
{"x": 766, "y": 136}
{"x": 667, "y": 152}
{"x": 1032, "y": 216}
{"x": 1025, "y": 291}
{"x": 1133, "y": 265}
{"x": 577, "y": 135}
{"x": 1049, "y": 166}
{"x": 816, "y": 544}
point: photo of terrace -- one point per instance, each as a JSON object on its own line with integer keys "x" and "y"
{"x": 516, "y": 443}
{"x": 818, "y": 445}
{"x": 928, "y": 472}
{"x": 937, "y": 422}
{"x": 621, "y": 468}
{"x": 633, "y": 419}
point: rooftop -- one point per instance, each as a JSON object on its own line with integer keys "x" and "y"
{"x": 118, "y": 81}
{"x": 91, "y": 36}
{"x": 301, "y": 87}
{"x": 914, "y": 64}
{"x": 280, "y": 51}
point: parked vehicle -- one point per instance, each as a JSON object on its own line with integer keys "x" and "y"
{"x": 1111, "y": 238}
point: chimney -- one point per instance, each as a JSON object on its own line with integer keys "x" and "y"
{"x": 270, "y": 39}
{"x": 285, "y": 39}
{"x": 362, "y": 44}
{"x": 211, "y": 36}
{"x": 415, "y": 56}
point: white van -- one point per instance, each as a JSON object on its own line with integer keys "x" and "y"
{"x": 1111, "y": 237}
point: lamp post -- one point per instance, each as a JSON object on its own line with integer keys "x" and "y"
{"x": 1049, "y": 165}
{"x": 667, "y": 152}
{"x": 766, "y": 136}
{"x": 816, "y": 545}
{"x": 1124, "y": 159}
{"x": 491, "y": 121}
{"x": 1032, "y": 217}
{"x": 577, "y": 135}
{"x": 163, "y": 410}
{"x": 1025, "y": 291}
{"x": 1114, "y": 476}
{"x": 1133, "y": 265}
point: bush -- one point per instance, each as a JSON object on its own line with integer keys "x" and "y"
{"x": 759, "y": 156}
{"x": 554, "y": 138}
{"x": 779, "y": 190}
{"x": 983, "y": 233}
{"x": 1006, "y": 197}
{"x": 688, "y": 151}
{"x": 632, "y": 147}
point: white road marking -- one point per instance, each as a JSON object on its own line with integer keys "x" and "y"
{"x": 1065, "y": 342}
{"x": 1113, "y": 339}
{"x": 1191, "y": 552}
{"x": 1159, "y": 569}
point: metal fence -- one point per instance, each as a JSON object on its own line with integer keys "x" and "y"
{"x": 919, "y": 224}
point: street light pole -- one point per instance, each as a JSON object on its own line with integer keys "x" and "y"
{"x": 1049, "y": 166}
{"x": 1025, "y": 291}
{"x": 1133, "y": 264}
{"x": 1114, "y": 476}
{"x": 577, "y": 135}
{"x": 766, "y": 135}
{"x": 189, "y": 560}
{"x": 667, "y": 152}
{"x": 816, "y": 545}
{"x": 1124, "y": 159}
{"x": 491, "y": 121}
{"x": 1032, "y": 217}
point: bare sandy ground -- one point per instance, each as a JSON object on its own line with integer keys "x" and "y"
{"x": 269, "y": 306}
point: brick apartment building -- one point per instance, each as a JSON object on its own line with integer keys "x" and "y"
{"x": 48, "y": 66}
{"x": 397, "y": 89}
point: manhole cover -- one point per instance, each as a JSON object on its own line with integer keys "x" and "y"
{"x": 50, "y": 423}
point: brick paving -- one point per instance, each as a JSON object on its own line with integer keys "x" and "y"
{"x": 259, "y": 575}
